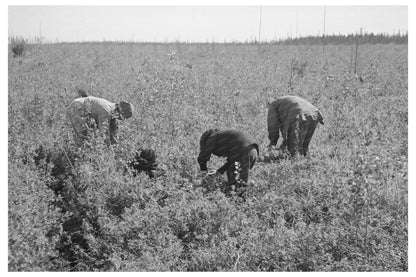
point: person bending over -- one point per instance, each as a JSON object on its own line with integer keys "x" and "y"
{"x": 236, "y": 146}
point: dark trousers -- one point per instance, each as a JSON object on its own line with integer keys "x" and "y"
{"x": 246, "y": 159}
{"x": 299, "y": 137}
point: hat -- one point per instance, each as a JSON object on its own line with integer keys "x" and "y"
{"x": 126, "y": 109}
{"x": 205, "y": 136}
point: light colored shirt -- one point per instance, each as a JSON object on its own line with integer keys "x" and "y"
{"x": 100, "y": 110}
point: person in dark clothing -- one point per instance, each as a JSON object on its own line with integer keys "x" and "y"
{"x": 236, "y": 146}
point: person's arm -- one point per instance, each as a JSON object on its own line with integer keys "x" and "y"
{"x": 320, "y": 118}
{"x": 113, "y": 129}
{"x": 273, "y": 126}
{"x": 205, "y": 153}
{"x": 116, "y": 112}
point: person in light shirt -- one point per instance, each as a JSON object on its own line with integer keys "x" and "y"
{"x": 91, "y": 112}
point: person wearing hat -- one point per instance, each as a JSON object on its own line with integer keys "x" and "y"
{"x": 296, "y": 119}
{"x": 236, "y": 146}
{"x": 96, "y": 113}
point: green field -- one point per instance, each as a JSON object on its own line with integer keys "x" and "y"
{"x": 344, "y": 208}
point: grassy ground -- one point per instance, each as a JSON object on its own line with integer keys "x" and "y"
{"x": 345, "y": 208}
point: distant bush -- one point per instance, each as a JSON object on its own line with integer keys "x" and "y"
{"x": 18, "y": 46}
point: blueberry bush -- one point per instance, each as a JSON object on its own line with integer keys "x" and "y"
{"x": 343, "y": 208}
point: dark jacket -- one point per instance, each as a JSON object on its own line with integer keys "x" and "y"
{"x": 226, "y": 143}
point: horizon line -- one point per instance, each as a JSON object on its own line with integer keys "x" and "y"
{"x": 37, "y": 39}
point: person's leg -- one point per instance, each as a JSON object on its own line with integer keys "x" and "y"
{"x": 231, "y": 172}
{"x": 294, "y": 138}
{"x": 308, "y": 136}
{"x": 303, "y": 129}
{"x": 253, "y": 156}
{"x": 284, "y": 145}
{"x": 244, "y": 167}
{"x": 113, "y": 129}
{"x": 248, "y": 159}
{"x": 231, "y": 178}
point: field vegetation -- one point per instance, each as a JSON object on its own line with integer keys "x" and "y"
{"x": 344, "y": 208}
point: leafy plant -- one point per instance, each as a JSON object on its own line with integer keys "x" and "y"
{"x": 343, "y": 208}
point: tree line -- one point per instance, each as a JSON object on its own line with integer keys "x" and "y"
{"x": 366, "y": 38}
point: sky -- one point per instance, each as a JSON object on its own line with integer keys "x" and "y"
{"x": 199, "y": 23}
